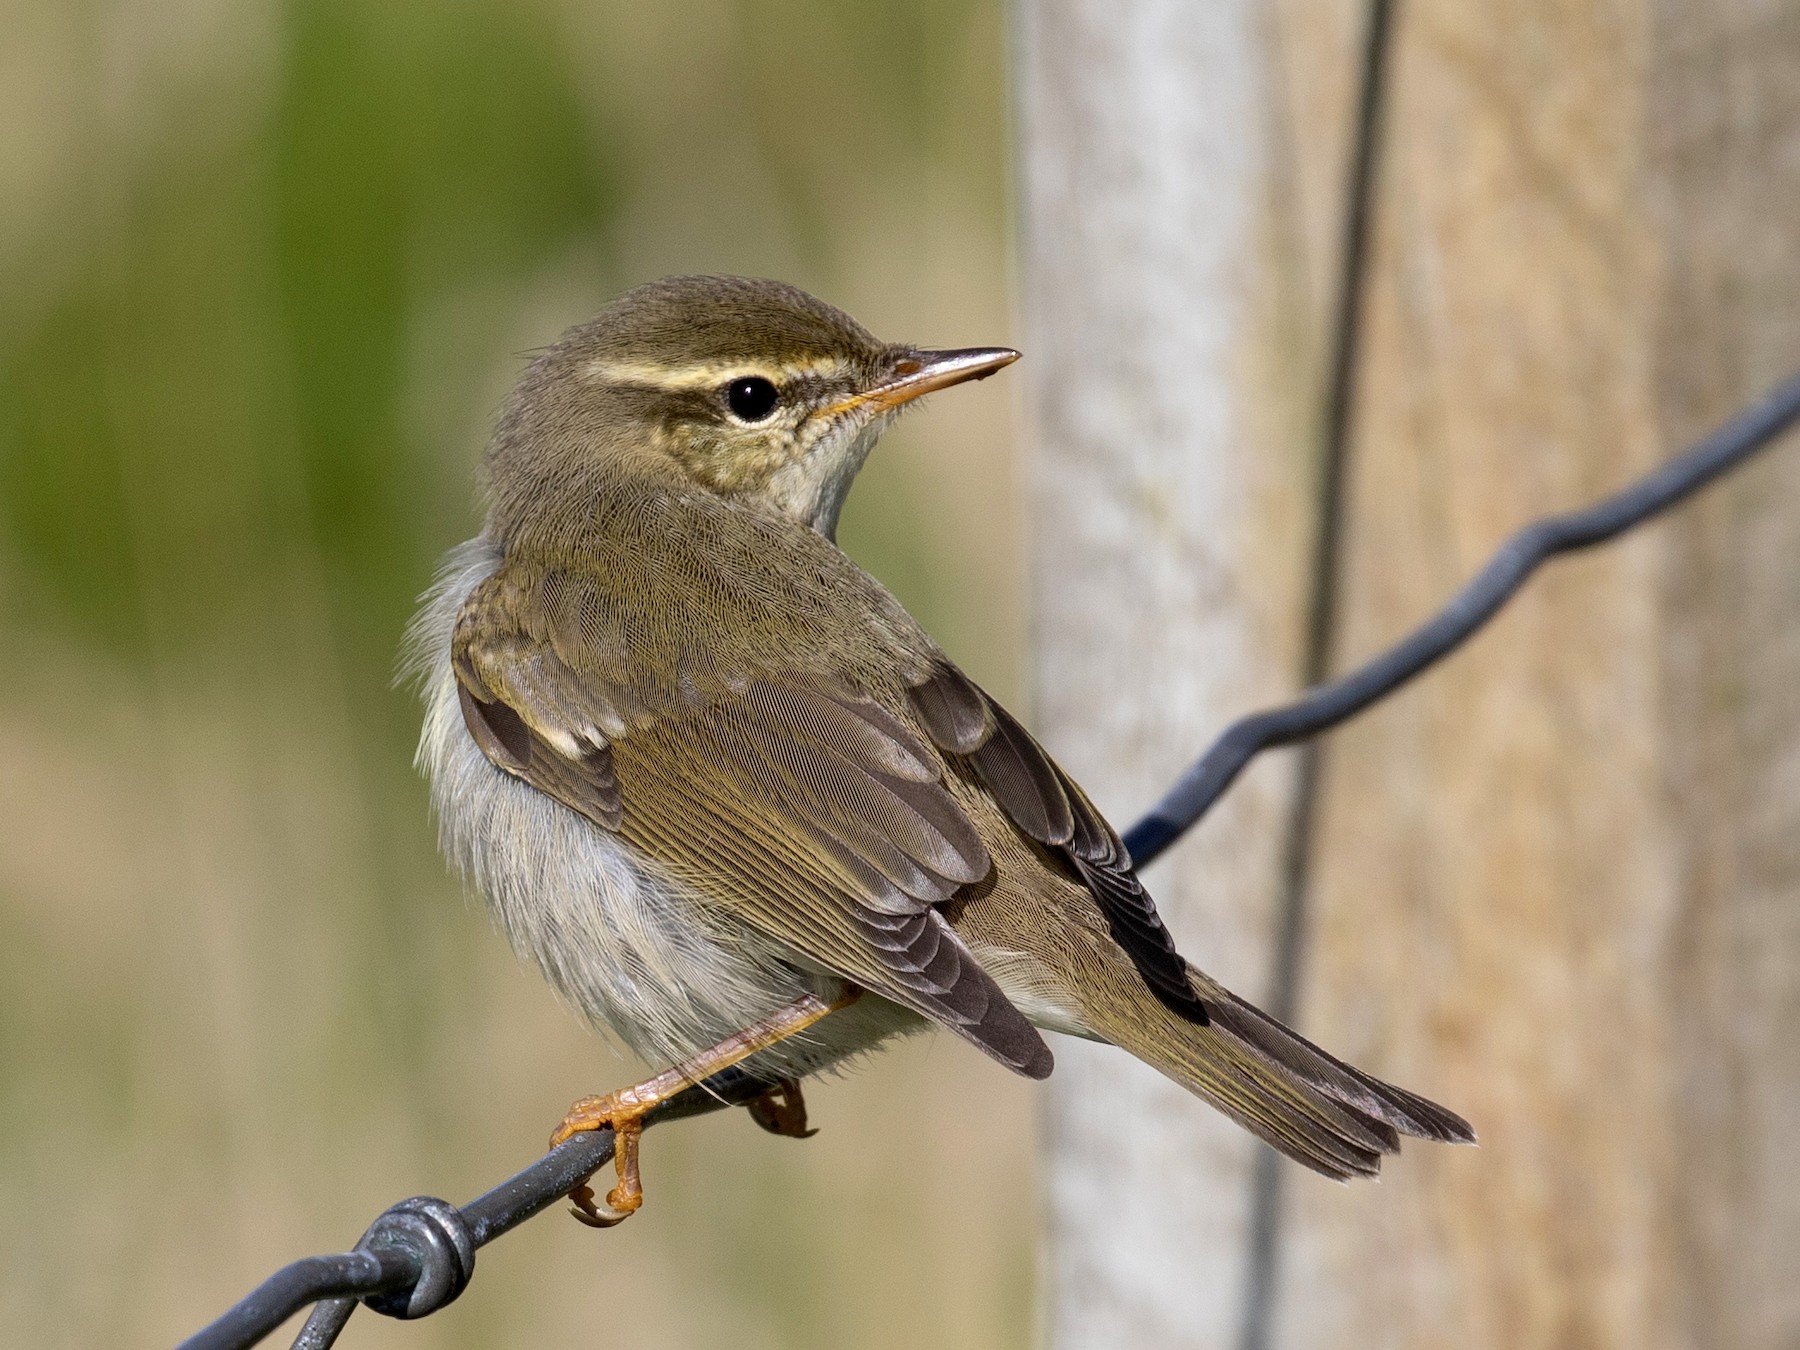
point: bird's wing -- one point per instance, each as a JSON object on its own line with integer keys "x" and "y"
{"x": 1046, "y": 805}
{"x": 816, "y": 814}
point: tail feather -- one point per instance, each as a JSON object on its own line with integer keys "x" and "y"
{"x": 1329, "y": 1138}
{"x": 1407, "y": 1112}
{"x": 1306, "y": 1103}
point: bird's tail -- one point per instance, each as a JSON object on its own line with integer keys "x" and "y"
{"x": 1311, "y": 1106}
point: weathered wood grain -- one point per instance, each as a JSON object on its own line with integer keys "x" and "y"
{"x": 1558, "y": 881}
{"x": 1170, "y": 354}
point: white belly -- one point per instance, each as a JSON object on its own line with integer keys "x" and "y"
{"x": 646, "y": 959}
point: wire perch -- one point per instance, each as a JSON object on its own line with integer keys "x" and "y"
{"x": 419, "y": 1255}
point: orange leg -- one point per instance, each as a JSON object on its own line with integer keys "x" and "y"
{"x": 623, "y": 1111}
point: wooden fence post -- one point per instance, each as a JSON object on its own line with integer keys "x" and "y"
{"x": 1557, "y": 884}
{"x": 1170, "y": 367}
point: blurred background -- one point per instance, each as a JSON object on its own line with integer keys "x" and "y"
{"x": 266, "y": 270}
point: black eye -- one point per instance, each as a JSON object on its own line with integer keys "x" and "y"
{"x": 751, "y": 398}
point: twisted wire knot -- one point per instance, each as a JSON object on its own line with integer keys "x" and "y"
{"x": 434, "y": 1235}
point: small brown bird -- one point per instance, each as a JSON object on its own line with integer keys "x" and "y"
{"x": 733, "y": 800}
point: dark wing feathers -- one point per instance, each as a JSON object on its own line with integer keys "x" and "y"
{"x": 498, "y": 730}
{"x": 817, "y": 811}
{"x": 827, "y": 822}
{"x": 954, "y": 711}
{"x": 1047, "y": 806}
{"x": 1025, "y": 782}
{"x": 1132, "y": 920}
{"x": 844, "y": 772}
{"x": 1364, "y": 1115}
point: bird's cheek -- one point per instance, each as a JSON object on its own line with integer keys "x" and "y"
{"x": 725, "y": 465}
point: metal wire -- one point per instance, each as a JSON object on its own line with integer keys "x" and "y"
{"x": 1329, "y": 704}
{"x": 400, "y": 1255}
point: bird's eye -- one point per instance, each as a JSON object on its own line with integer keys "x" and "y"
{"x": 751, "y": 398}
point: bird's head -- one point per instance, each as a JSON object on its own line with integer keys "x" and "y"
{"x": 751, "y": 389}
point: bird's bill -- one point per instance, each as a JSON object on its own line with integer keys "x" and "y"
{"x": 919, "y": 373}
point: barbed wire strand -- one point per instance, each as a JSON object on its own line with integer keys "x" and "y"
{"x": 419, "y": 1255}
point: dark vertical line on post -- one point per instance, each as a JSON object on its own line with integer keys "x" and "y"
{"x": 1321, "y": 624}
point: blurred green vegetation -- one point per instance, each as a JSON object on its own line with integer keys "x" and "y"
{"x": 266, "y": 269}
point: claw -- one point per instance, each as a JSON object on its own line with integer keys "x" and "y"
{"x": 623, "y": 1114}
{"x": 585, "y": 1207}
{"x": 782, "y": 1110}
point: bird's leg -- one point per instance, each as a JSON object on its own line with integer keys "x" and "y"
{"x": 623, "y": 1111}
{"x": 781, "y": 1110}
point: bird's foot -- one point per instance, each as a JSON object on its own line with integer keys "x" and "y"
{"x": 782, "y": 1110}
{"x": 621, "y": 1112}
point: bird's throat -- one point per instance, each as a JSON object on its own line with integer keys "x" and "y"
{"x": 812, "y": 489}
